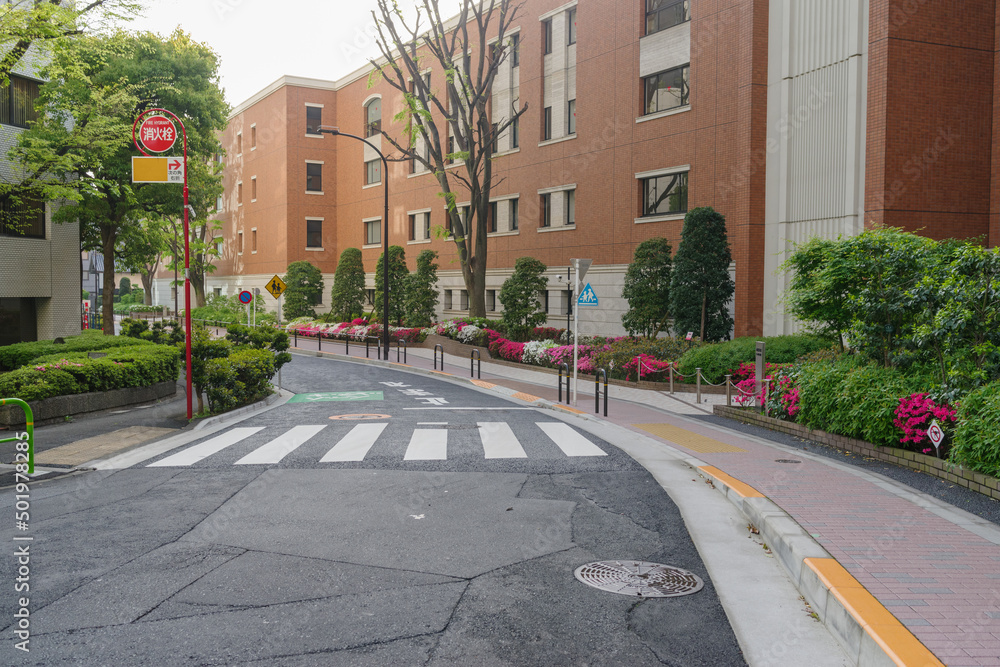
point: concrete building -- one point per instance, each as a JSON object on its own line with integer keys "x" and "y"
{"x": 40, "y": 288}
{"x": 793, "y": 118}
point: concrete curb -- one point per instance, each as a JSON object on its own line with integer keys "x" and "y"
{"x": 865, "y": 629}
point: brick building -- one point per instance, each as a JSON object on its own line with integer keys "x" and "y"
{"x": 792, "y": 118}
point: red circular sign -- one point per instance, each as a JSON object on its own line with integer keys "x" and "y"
{"x": 157, "y": 133}
{"x": 246, "y": 297}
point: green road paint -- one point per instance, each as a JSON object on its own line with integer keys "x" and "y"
{"x": 331, "y": 396}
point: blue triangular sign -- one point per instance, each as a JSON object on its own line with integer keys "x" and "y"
{"x": 587, "y": 297}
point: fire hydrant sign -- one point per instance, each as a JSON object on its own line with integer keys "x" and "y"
{"x": 157, "y": 170}
{"x": 157, "y": 134}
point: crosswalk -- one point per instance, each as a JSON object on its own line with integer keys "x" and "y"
{"x": 428, "y": 442}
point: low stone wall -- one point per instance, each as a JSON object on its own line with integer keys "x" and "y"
{"x": 58, "y": 407}
{"x": 976, "y": 481}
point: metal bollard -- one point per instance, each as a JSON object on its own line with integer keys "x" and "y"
{"x": 319, "y": 341}
{"x": 400, "y": 343}
{"x": 561, "y": 367}
{"x": 347, "y": 344}
{"x": 474, "y": 356}
{"x": 729, "y": 391}
{"x": 436, "y": 347}
{"x": 671, "y": 378}
{"x": 295, "y": 337}
{"x": 697, "y": 373}
{"x": 597, "y": 391}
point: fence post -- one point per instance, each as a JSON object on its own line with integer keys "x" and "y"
{"x": 475, "y": 356}
{"x": 671, "y": 378}
{"x": 697, "y": 373}
{"x": 401, "y": 343}
{"x": 438, "y": 345}
{"x": 597, "y": 391}
{"x": 347, "y": 344}
{"x": 763, "y": 397}
{"x": 729, "y": 391}
{"x": 638, "y": 370}
{"x": 561, "y": 367}
{"x": 319, "y": 341}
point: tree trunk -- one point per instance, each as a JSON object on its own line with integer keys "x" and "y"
{"x": 704, "y": 305}
{"x": 198, "y": 287}
{"x": 147, "y": 285}
{"x": 109, "y": 237}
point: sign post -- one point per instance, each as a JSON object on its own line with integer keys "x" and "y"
{"x": 580, "y": 268}
{"x": 936, "y": 435}
{"x": 276, "y": 286}
{"x": 759, "y": 371}
{"x": 158, "y": 134}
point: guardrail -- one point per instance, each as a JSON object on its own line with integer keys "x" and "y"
{"x": 29, "y": 420}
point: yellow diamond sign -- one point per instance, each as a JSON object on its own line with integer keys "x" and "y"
{"x": 275, "y": 286}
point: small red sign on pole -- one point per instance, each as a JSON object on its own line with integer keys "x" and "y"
{"x": 157, "y": 134}
{"x": 936, "y": 434}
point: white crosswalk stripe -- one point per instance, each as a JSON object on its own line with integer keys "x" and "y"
{"x": 428, "y": 443}
{"x": 354, "y": 445}
{"x": 205, "y": 449}
{"x": 281, "y": 446}
{"x": 568, "y": 440}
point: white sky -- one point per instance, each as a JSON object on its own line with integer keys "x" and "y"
{"x": 258, "y": 41}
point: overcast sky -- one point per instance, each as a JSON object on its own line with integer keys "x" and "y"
{"x": 260, "y": 40}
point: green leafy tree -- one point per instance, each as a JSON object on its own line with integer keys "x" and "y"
{"x": 450, "y": 120}
{"x": 421, "y": 291}
{"x": 204, "y": 348}
{"x": 141, "y": 247}
{"x": 125, "y": 287}
{"x": 701, "y": 287}
{"x": 398, "y": 282}
{"x": 304, "y": 289}
{"x": 519, "y": 296}
{"x": 81, "y": 147}
{"x": 347, "y": 297}
{"x": 822, "y": 280}
{"x": 647, "y": 289}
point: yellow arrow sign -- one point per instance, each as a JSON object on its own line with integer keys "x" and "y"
{"x": 157, "y": 170}
{"x": 275, "y": 286}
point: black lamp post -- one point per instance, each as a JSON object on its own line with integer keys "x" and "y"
{"x": 385, "y": 233}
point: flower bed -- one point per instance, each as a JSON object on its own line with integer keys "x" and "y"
{"x": 356, "y": 330}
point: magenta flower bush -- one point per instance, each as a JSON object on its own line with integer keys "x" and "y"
{"x": 914, "y": 415}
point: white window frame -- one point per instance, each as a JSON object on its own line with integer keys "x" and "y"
{"x": 308, "y": 191}
{"x": 365, "y": 221}
{"x": 653, "y": 173}
{"x": 314, "y": 219}
{"x": 315, "y": 105}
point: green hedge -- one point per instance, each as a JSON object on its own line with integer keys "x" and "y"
{"x": 137, "y": 365}
{"x": 855, "y": 400}
{"x": 625, "y": 350}
{"x": 718, "y": 359}
{"x": 17, "y": 355}
{"x": 240, "y": 379}
{"x": 977, "y": 437}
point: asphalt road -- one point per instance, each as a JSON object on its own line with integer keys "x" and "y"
{"x": 440, "y": 525}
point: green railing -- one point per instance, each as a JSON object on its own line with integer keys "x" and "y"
{"x": 29, "y": 420}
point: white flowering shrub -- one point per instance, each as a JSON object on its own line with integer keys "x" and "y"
{"x": 534, "y": 351}
{"x": 468, "y": 333}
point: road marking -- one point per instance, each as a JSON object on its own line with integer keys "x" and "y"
{"x": 499, "y": 441}
{"x": 449, "y": 407}
{"x": 427, "y": 444}
{"x": 568, "y": 440}
{"x": 355, "y": 445}
{"x": 207, "y": 448}
{"x": 281, "y": 446}
{"x": 432, "y": 423}
{"x": 689, "y": 439}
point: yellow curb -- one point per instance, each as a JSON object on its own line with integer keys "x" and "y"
{"x": 483, "y": 383}
{"x": 744, "y": 490}
{"x": 526, "y": 397}
{"x": 899, "y": 644}
{"x": 451, "y": 375}
{"x": 569, "y": 409}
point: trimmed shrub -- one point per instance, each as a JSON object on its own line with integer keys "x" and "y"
{"x": 261, "y": 338}
{"x": 718, "y": 359}
{"x": 240, "y": 379}
{"x": 977, "y": 438}
{"x": 29, "y": 384}
{"x": 19, "y": 354}
{"x": 617, "y": 354}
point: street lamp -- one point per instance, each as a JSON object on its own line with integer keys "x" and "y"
{"x": 385, "y": 232}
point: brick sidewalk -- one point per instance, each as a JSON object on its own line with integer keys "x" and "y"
{"x": 915, "y": 555}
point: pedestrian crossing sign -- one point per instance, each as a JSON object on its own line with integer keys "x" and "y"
{"x": 587, "y": 297}
{"x": 275, "y": 286}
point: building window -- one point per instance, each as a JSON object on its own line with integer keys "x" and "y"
{"x": 253, "y": 241}
{"x": 513, "y": 215}
{"x": 463, "y": 300}
{"x": 253, "y": 137}
{"x": 314, "y": 177}
{"x": 218, "y": 204}
{"x": 373, "y": 117}
{"x": 451, "y": 150}
{"x": 665, "y": 195}
{"x": 447, "y": 299}
{"x": 543, "y": 299}
{"x": 491, "y": 220}
{"x": 571, "y": 207}
{"x": 571, "y": 117}
{"x": 373, "y": 232}
{"x": 314, "y": 233}
{"x": 239, "y": 143}
{"x": 413, "y": 227}
{"x": 17, "y": 102}
{"x": 663, "y": 14}
{"x": 373, "y": 172}
{"x": 217, "y": 244}
{"x": 491, "y": 301}
{"x": 547, "y": 124}
{"x": 515, "y": 139}
{"x": 370, "y": 296}
{"x": 546, "y": 36}
{"x": 253, "y": 189}
{"x": 546, "y": 206}
{"x": 515, "y": 50}
{"x": 21, "y": 216}
{"x": 571, "y": 26}
{"x": 217, "y": 291}
{"x": 239, "y": 194}
{"x": 667, "y": 90}
{"x": 495, "y": 139}
{"x": 239, "y": 243}
{"x": 314, "y": 119}
{"x": 427, "y": 225}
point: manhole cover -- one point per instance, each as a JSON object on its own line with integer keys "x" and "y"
{"x": 633, "y": 577}
{"x": 786, "y": 461}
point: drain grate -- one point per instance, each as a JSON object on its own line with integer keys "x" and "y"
{"x": 786, "y": 461}
{"x": 638, "y": 578}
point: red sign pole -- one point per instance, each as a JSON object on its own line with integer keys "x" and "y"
{"x": 187, "y": 252}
